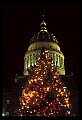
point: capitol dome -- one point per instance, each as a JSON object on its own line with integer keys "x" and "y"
{"x": 49, "y": 41}
{"x": 43, "y": 35}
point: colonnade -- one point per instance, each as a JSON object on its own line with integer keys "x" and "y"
{"x": 31, "y": 60}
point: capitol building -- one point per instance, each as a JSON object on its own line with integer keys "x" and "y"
{"x": 44, "y": 39}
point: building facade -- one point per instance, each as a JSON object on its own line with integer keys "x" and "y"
{"x": 9, "y": 102}
{"x": 49, "y": 41}
{"x": 39, "y": 40}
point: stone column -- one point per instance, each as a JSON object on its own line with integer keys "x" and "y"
{"x": 32, "y": 59}
{"x": 29, "y": 61}
{"x": 58, "y": 61}
{"x": 25, "y": 64}
{"x": 55, "y": 59}
{"x": 62, "y": 63}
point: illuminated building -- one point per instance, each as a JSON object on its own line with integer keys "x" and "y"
{"x": 49, "y": 41}
{"x": 39, "y": 40}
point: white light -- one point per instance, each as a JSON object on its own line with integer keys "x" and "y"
{"x": 64, "y": 87}
{"x": 3, "y": 114}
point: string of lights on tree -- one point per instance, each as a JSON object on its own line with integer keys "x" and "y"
{"x": 44, "y": 94}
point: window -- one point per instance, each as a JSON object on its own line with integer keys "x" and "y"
{"x": 7, "y": 113}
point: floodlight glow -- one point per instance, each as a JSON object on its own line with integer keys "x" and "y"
{"x": 3, "y": 114}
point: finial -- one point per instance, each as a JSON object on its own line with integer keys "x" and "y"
{"x": 43, "y": 25}
{"x": 43, "y": 16}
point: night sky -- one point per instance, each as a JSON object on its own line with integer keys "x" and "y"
{"x": 22, "y": 21}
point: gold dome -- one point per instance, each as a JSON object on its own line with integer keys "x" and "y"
{"x": 49, "y": 41}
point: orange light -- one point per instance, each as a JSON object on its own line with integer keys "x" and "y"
{"x": 46, "y": 51}
{"x": 34, "y": 110}
{"x": 48, "y": 88}
{"x": 56, "y": 80}
{"x": 35, "y": 80}
{"x": 55, "y": 77}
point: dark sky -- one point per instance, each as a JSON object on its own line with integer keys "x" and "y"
{"x": 22, "y": 21}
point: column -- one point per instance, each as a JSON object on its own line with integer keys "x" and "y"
{"x": 62, "y": 63}
{"x": 32, "y": 59}
{"x": 29, "y": 61}
{"x": 55, "y": 59}
{"x": 58, "y": 61}
{"x": 25, "y": 64}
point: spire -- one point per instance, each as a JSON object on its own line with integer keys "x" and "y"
{"x": 43, "y": 25}
{"x": 43, "y": 17}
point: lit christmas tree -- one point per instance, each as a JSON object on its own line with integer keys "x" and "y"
{"x": 44, "y": 94}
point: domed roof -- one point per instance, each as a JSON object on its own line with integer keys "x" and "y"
{"x": 43, "y": 35}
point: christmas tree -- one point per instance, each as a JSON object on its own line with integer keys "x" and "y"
{"x": 44, "y": 94}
